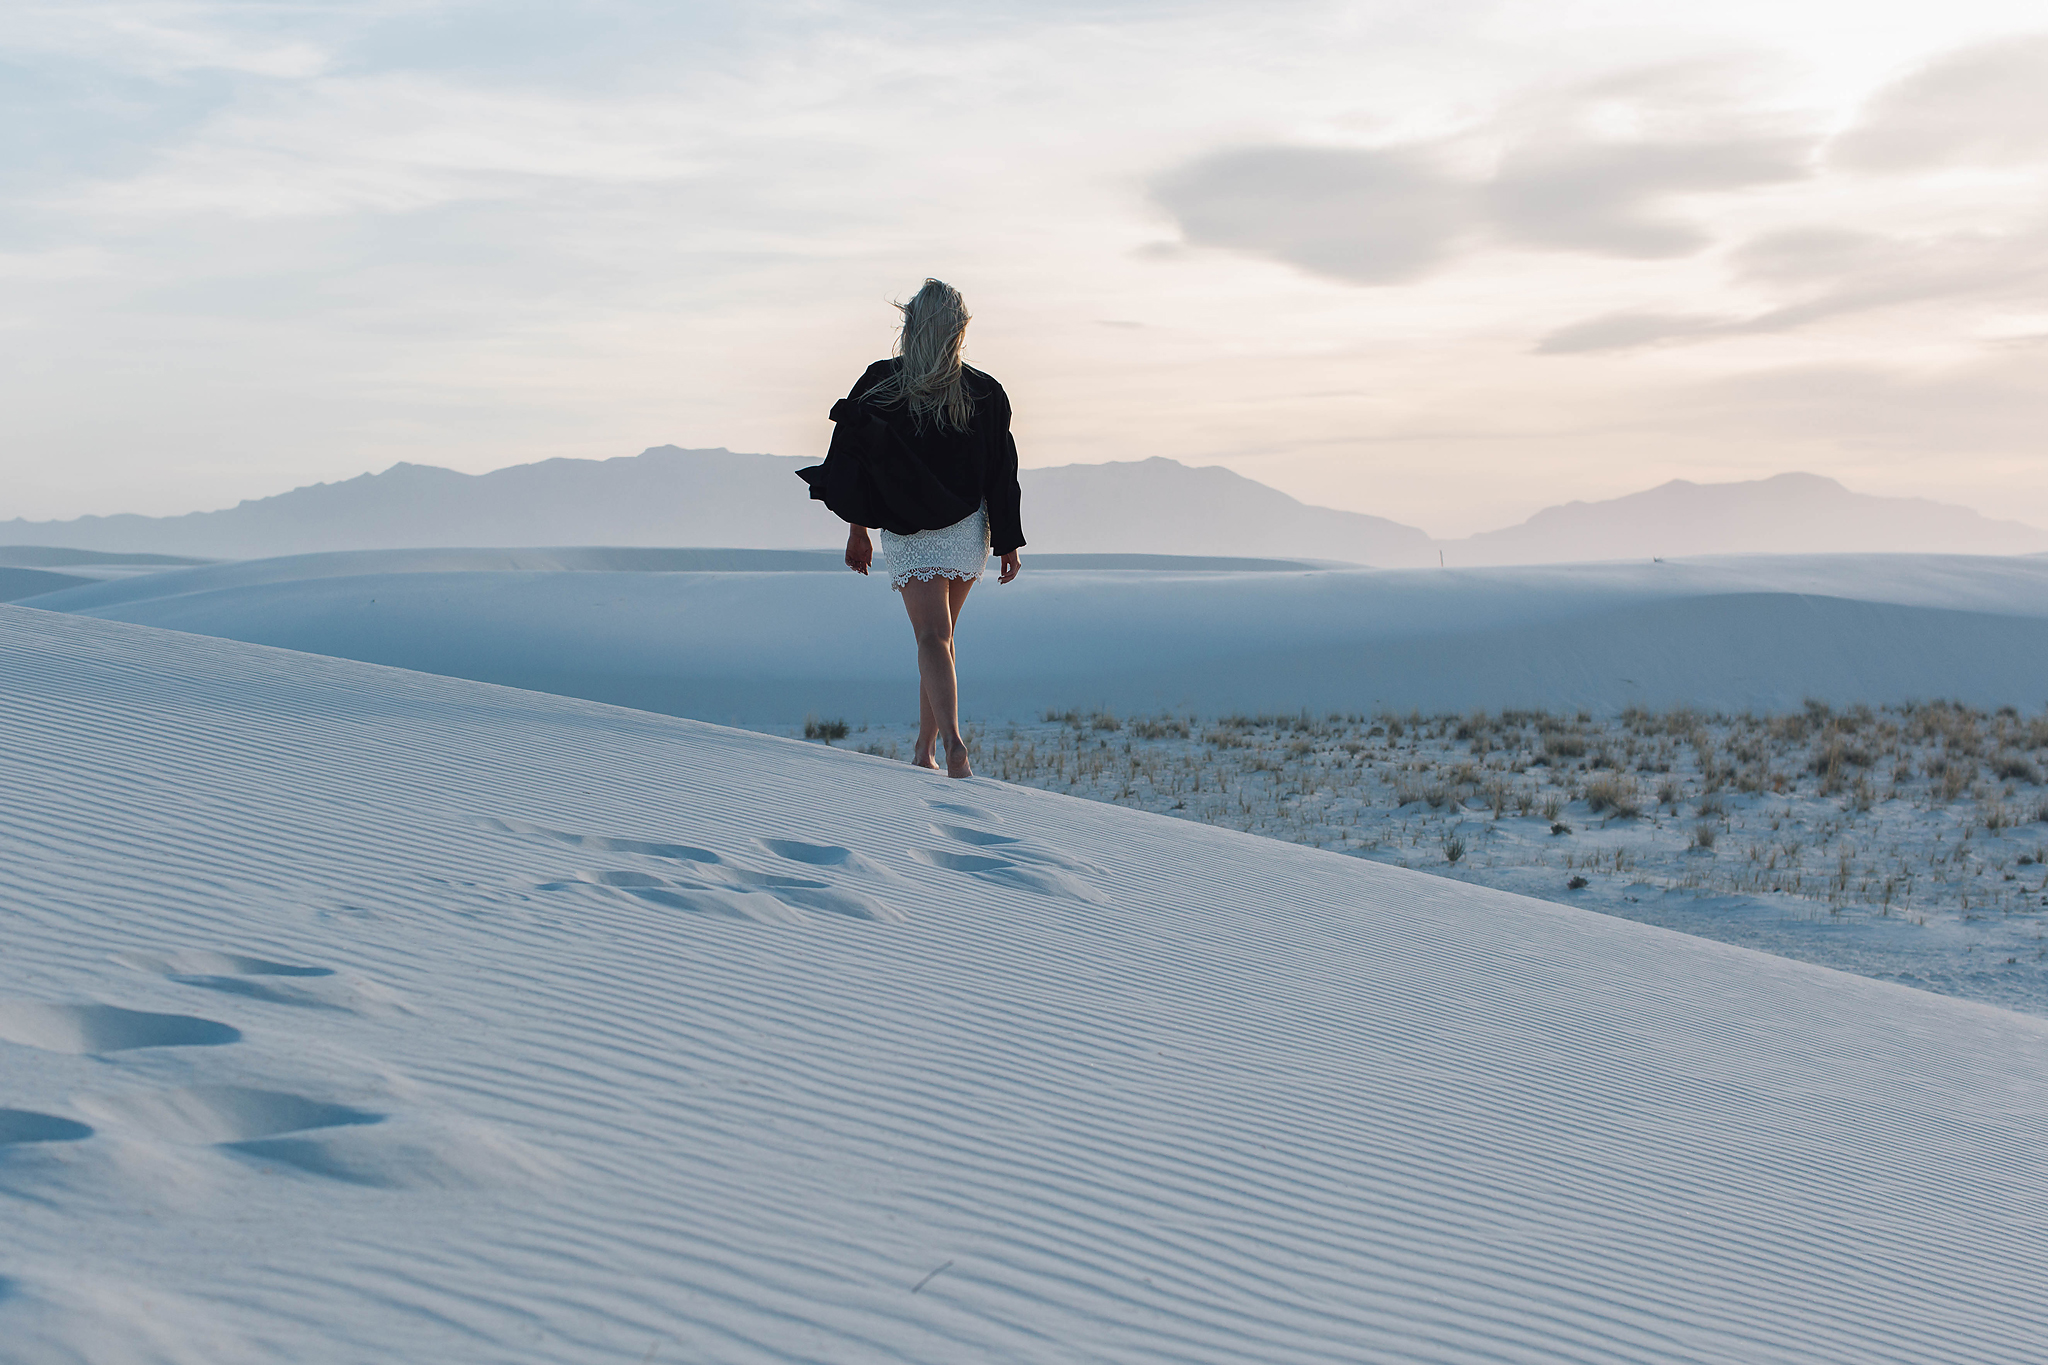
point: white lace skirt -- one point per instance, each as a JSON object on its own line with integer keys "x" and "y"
{"x": 958, "y": 551}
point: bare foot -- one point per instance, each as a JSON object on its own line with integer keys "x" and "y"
{"x": 925, "y": 754}
{"x": 956, "y": 761}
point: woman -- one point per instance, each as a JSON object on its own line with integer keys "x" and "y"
{"x": 922, "y": 449}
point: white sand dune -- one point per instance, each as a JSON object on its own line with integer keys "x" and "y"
{"x": 1758, "y": 632}
{"x": 19, "y": 583}
{"x": 359, "y": 1015}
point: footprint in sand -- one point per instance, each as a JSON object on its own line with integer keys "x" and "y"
{"x": 718, "y": 887}
{"x": 647, "y": 847}
{"x": 208, "y": 1114}
{"x": 1007, "y": 861}
{"x": 965, "y": 811}
{"x": 92, "y": 1029}
{"x": 252, "y": 978}
{"x": 202, "y": 963}
{"x": 19, "y": 1127}
{"x": 1008, "y": 846}
{"x": 270, "y": 1129}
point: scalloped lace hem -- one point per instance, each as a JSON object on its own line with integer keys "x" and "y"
{"x": 927, "y": 575}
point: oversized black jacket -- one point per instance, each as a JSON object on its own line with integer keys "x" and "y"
{"x": 883, "y": 470}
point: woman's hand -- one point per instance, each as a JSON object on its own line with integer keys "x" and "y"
{"x": 1010, "y": 566}
{"x": 860, "y": 551}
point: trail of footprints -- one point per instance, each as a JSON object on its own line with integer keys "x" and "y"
{"x": 704, "y": 882}
{"x": 274, "y": 1129}
{"x": 310, "y": 1136}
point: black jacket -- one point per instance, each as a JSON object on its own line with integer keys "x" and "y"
{"x": 882, "y": 470}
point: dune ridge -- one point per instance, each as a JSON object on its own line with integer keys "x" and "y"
{"x": 1745, "y": 632}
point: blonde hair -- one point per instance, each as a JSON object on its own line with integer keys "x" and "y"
{"x": 929, "y": 382}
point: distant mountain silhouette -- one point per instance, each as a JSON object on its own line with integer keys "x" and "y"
{"x": 666, "y": 496}
{"x": 1160, "y": 506}
{"x": 1785, "y": 514}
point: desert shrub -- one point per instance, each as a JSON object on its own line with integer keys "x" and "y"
{"x": 1997, "y": 817}
{"x": 1454, "y": 849}
{"x": 827, "y": 730}
{"x": 1952, "y": 776}
{"x": 1553, "y": 806}
{"x": 1830, "y": 758}
{"x": 1790, "y": 729}
{"x": 1668, "y": 794}
{"x": 1703, "y": 836}
{"x": 1710, "y": 806}
{"x": 1498, "y": 794}
{"x": 1437, "y": 794}
{"x": 1167, "y": 727}
{"x": 1301, "y": 748}
{"x": 1560, "y": 827}
{"x": 1615, "y": 793}
{"x": 1072, "y": 718}
{"x": 1407, "y": 793}
{"x": 1103, "y": 720}
{"x": 1575, "y": 884}
{"x": 2013, "y": 768}
{"x": 1564, "y": 746}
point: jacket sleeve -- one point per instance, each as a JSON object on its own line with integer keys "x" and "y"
{"x": 1000, "y": 487}
{"x": 842, "y": 483}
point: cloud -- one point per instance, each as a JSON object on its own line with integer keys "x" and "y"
{"x": 1391, "y": 215}
{"x": 1985, "y": 105}
{"x": 1627, "y": 330}
{"x": 1358, "y": 215}
{"x": 1613, "y": 198}
{"x": 1834, "y": 272}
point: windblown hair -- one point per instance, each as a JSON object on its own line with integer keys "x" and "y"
{"x": 929, "y": 382}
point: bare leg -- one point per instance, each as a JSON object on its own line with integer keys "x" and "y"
{"x": 934, "y": 608}
{"x": 926, "y": 754}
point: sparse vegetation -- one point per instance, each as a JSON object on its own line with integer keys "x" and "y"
{"x": 1900, "y": 814}
{"x": 827, "y": 730}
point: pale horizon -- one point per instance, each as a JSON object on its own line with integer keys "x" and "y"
{"x": 1446, "y": 267}
{"x": 1994, "y": 516}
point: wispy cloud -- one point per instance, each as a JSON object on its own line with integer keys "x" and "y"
{"x": 1985, "y": 105}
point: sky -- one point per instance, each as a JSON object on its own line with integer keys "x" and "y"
{"x": 1442, "y": 261}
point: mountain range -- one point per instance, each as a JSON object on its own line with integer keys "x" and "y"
{"x": 670, "y": 496}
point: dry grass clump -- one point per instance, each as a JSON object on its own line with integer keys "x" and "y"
{"x": 1615, "y": 795}
{"x": 2013, "y": 768}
